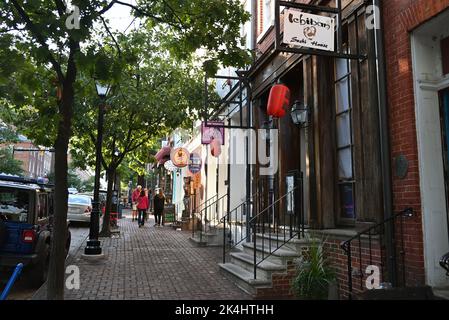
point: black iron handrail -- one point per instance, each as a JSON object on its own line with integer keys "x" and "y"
{"x": 444, "y": 263}
{"x": 280, "y": 224}
{"x": 376, "y": 231}
{"x": 197, "y": 210}
{"x": 240, "y": 212}
{"x": 209, "y": 209}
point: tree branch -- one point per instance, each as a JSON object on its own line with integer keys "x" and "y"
{"x": 148, "y": 14}
{"x": 60, "y": 5}
{"x": 34, "y": 30}
{"x": 109, "y": 6}
{"x": 112, "y": 36}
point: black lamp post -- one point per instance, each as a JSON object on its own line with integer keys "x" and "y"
{"x": 93, "y": 244}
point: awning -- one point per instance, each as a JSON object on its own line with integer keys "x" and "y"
{"x": 163, "y": 155}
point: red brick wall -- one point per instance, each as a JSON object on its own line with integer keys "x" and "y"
{"x": 281, "y": 285}
{"x": 399, "y": 18}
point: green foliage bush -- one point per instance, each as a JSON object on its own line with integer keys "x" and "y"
{"x": 314, "y": 274}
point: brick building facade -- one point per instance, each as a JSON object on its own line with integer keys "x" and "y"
{"x": 376, "y": 143}
{"x": 402, "y": 23}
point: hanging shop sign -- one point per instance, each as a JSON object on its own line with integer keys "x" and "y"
{"x": 309, "y": 30}
{"x": 196, "y": 181}
{"x": 195, "y": 163}
{"x": 169, "y": 166}
{"x": 214, "y": 130}
{"x": 180, "y": 157}
{"x": 278, "y": 101}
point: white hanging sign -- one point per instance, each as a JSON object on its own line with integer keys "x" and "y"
{"x": 309, "y": 30}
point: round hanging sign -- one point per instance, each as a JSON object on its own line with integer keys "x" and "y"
{"x": 195, "y": 163}
{"x": 180, "y": 157}
{"x": 169, "y": 166}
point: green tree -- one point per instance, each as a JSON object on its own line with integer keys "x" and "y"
{"x": 135, "y": 117}
{"x": 8, "y": 164}
{"x": 52, "y": 56}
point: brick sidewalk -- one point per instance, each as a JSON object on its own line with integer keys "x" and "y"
{"x": 153, "y": 263}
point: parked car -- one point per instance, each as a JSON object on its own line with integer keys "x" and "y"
{"x": 79, "y": 208}
{"x": 26, "y": 214}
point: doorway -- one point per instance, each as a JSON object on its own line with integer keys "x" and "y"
{"x": 432, "y": 129}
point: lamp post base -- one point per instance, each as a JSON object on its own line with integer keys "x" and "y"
{"x": 92, "y": 248}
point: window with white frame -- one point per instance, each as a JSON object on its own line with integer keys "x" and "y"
{"x": 267, "y": 17}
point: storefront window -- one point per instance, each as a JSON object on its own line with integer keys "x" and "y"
{"x": 344, "y": 138}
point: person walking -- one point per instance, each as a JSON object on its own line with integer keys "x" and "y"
{"x": 134, "y": 198}
{"x": 142, "y": 207}
{"x": 150, "y": 201}
{"x": 158, "y": 205}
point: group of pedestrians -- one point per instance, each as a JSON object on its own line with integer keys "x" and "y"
{"x": 142, "y": 203}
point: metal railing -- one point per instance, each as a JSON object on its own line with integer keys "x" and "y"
{"x": 369, "y": 249}
{"x": 444, "y": 263}
{"x": 212, "y": 213}
{"x": 198, "y": 209}
{"x": 278, "y": 224}
{"x": 236, "y": 220}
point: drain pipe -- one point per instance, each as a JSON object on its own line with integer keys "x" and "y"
{"x": 384, "y": 140}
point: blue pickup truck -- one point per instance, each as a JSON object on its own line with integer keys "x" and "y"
{"x": 26, "y": 214}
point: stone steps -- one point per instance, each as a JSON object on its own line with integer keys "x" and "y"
{"x": 243, "y": 278}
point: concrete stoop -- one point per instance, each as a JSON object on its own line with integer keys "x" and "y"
{"x": 273, "y": 275}
{"x": 211, "y": 238}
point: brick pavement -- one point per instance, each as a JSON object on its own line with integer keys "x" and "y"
{"x": 152, "y": 263}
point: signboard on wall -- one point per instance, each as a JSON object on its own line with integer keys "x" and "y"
{"x": 309, "y": 30}
{"x": 210, "y": 133}
{"x": 197, "y": 181}
{"x": 180, "y": 157}
{"x": 195, "y": 163}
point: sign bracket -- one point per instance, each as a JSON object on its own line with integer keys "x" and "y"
{"x": 233, "y": 97}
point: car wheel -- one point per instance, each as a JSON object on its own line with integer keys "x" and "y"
{"x": 37, "y": 274}
{"x": 2, "y": 232}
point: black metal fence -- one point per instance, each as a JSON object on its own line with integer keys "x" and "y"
{"x": 381, "y": 247}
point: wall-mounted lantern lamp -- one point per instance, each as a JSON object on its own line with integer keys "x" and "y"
{"x": 300, "y": 114}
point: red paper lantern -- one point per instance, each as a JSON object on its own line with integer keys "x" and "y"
{"x": 278, "y": 101}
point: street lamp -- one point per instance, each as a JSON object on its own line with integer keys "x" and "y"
{"x": 300, "y": 114}
{"x": 93, "y": 244}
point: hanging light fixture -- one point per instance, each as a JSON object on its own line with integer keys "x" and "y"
{"x": 300, "y": 114}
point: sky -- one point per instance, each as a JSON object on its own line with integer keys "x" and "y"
{"x": 120, "y": 16}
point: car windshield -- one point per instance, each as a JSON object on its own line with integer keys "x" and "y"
{"x": 14, "y": 204}
{"x": 75, "y": 199}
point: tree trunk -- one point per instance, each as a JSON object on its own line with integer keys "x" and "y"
{"x": 106, "y": 228}
{"x": 141, "y": 181}
{"x": 56, "y": 271}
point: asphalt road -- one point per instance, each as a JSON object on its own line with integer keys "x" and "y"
{"x": 22, "y": 291}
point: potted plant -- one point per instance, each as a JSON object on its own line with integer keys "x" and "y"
{"x": 315, "y": 279}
